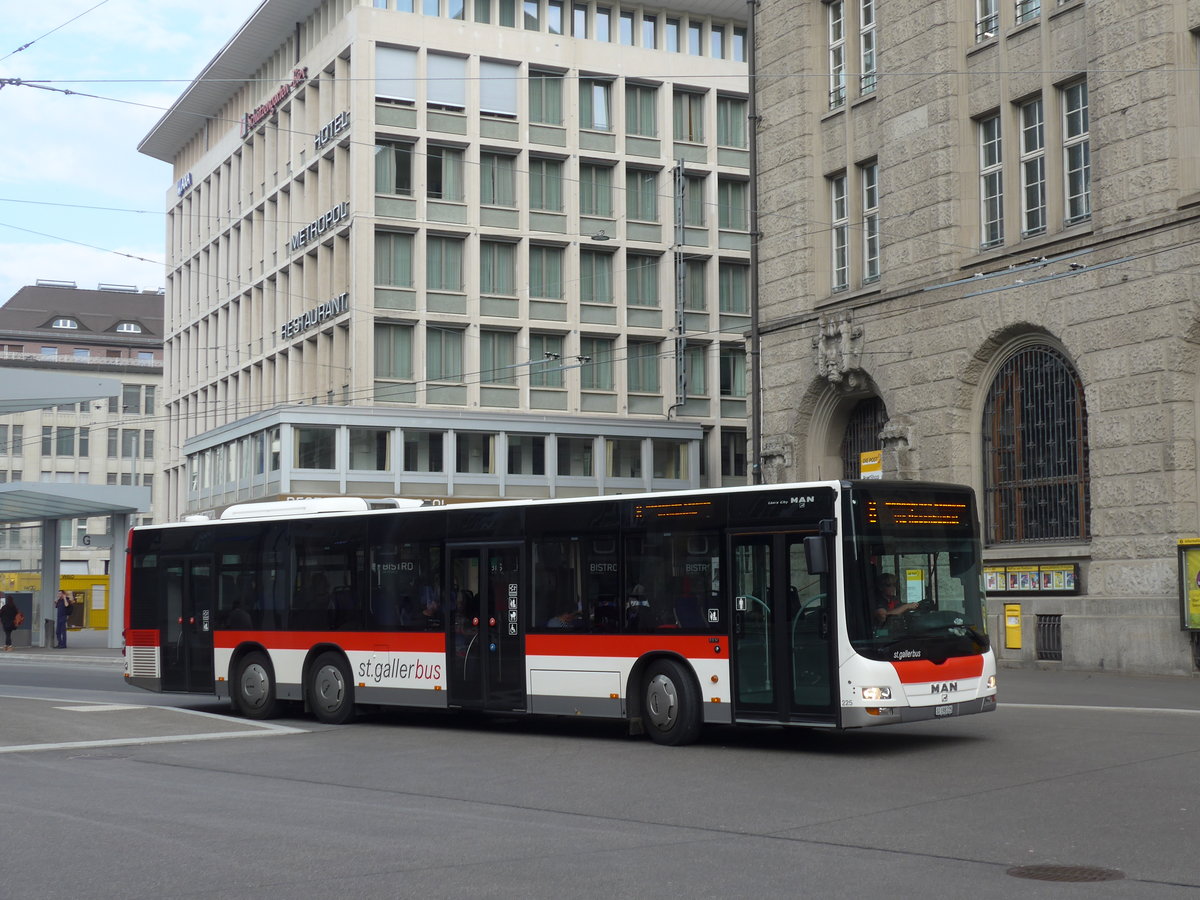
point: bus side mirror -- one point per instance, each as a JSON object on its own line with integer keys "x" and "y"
{"x": 816, "y": 556}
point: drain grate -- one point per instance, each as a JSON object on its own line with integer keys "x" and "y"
{"x": 1066, "y": 873}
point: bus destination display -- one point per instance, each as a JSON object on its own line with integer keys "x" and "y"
{"x": 902, "y": 514}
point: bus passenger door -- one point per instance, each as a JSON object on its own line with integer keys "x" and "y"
{"x": 782, "y": 632}
{"x": 187, "y": 638}
{"x": 485, "y": 649}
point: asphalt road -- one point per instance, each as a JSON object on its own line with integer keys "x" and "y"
{"x": 1084, "y": 772}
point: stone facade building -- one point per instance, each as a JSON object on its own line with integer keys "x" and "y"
{"x": 458, "y": 251}
{"x": 980, "y": 226}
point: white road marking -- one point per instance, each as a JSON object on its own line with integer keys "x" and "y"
{"x": 1124, "y": 709}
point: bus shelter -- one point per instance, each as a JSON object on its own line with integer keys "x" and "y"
{"x": 50, "y": 504}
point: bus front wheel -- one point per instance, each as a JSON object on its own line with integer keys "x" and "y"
{"x": 330, "y": 690}
{"x": 254, "y": 689}
{"x": 671, "y": 704}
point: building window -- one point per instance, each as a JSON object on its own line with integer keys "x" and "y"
{"x": 370, "y": 449}
{"x": 732, "y": 205}
{"x": 731, "y": 122}
{"x": 649, "y": 31}
{"x": 497, "y": 357}
{"x": 734, "y": 286}
{"x": 393, "y": 259}
{"x": 554, "y": 16}
{"x": 1077, "y": 152}
{"x": 526, "y": 454}
{"x": 423, "y": 451}
{"x": 595, "y": 371}
{"x": 444, "y": 263}
{"x": 575, "y": 456}
{"x": 837, "y": 53}
{"x": 991, "y": 183}
{"x": 444, "y": 174}
{"x": 733, "y": 372}
{"x": 546, "y": 272}
{"x": 595, "y": 191}
{"x": 446, "y": 81}
{"x": 693, "y": 201}
{"x": 1035, "y": 446}
{"x": 839, "y": 216}
{"x": 443, "y": 353}
{"x": 625, "y": 28}
{"x": 623, "y": 458}
{"x": 671, "y": 42}
{"x": 642, "y": 367}
{"x": 733, "y": 453}
{"x": 695, "y": 362}
{"x": 1028, "y": 9}
{"x": 497, "y": 268}
{"x": 70, "y": 323}
{"x": 1033, "y": 168}
{"x": 987, "y": 21}
{"x": 497, "y": 180}
{"x": 393, "y": 351}
{"x": 595, "y": 277}
{"x": 641, "y": 280}
{"x": 314, "y": 447}
{"x": 641, "y": 110}
{"x": 869, "y": 175}
{"x": 694, "y": 297}
{"x": 579, "y": 20}
{"x": 739, "y": 44}
{"x": 603, "y": 23}
{"x": 545, "y": 98}
{"x": 641, "y": 195}
{"x": 594, "y": 105}
{"x": 483, "y": 11}
{"x": 863, "y": 426}
{"x": 695, "y": 43}
{"x": 498, "y": 83}
{"x": 393, "y": 168}
{"x": 545, "y": 360}
{"x": 545, "y": 184}
{"x": 688, "y": 117}
{"x": 532, "y": 18}
{"x": 866, "y": 43}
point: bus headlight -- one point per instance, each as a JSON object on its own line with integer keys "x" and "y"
{"x": 877, "y": 693}
{"x": 991, "y": 682}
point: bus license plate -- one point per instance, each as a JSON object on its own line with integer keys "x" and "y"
{"x": 944, "y": 710}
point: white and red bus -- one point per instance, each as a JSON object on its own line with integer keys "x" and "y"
{"x": 830, "y": 605}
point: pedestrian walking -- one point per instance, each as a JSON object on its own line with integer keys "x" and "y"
{"x": 8, "y": 619}
{"x": 62, "y": 608}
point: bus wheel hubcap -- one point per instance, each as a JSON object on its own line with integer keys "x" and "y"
{"x": 255, "y": 685}
{"x": 662, "y": 702}
{"x": 330, "y": 688}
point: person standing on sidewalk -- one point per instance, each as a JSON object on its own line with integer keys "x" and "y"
{"x": 8, "y": 620}
{"x": 62, "y": 609}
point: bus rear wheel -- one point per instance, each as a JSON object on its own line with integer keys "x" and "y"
{"x": 254, "y": 687}
{"x": 670, "y": 704}
{"x": 330, "y": 690}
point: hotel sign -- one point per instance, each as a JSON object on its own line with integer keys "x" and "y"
{"x": 252, "y": 120}
{"x": 318, "y": 315}
{"x": 336, "y": 126}
{"x": 318, "y": 227}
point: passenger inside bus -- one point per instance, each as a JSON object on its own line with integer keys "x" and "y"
{"x": 568, "y": 617}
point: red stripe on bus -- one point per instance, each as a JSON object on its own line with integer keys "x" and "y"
{"x": 141, "y": 637}
{"x": 620, "y": 645}
{"x": 392, "y": 641}
{"x": 919, "y": 671}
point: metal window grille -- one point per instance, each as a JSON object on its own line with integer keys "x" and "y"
{"x": 1048, "y": 637}
{"x": 862, "y": 433}
{"x": 1035, "y": 446}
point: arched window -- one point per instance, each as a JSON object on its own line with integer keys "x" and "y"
{"x": 1035, "y": 459}
{"x": 64, "y": 323}
{"x": 862, "y": 433}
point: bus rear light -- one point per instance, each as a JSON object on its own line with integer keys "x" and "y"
{"x": 877, "y": 693}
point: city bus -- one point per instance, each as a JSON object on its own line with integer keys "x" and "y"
{"x": 833, "y": 605}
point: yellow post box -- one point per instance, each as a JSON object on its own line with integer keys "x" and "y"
{"x": 1012, "y": 626}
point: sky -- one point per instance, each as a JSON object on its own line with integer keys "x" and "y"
{"x": 77, "y": 201}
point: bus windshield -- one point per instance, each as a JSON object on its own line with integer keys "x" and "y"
{"x": 913, "y": 577}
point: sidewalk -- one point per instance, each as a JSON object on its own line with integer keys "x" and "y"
{"x": 83, "y": 645}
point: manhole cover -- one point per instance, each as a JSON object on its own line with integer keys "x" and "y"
{"x": 1066, "y": 873}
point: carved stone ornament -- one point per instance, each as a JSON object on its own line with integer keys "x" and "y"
{"x": 837, "y": 352}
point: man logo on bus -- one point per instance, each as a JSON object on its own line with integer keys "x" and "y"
{"x": 943, "y": 688}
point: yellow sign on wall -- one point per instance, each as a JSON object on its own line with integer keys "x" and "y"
{"x": 870, "y": 464}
